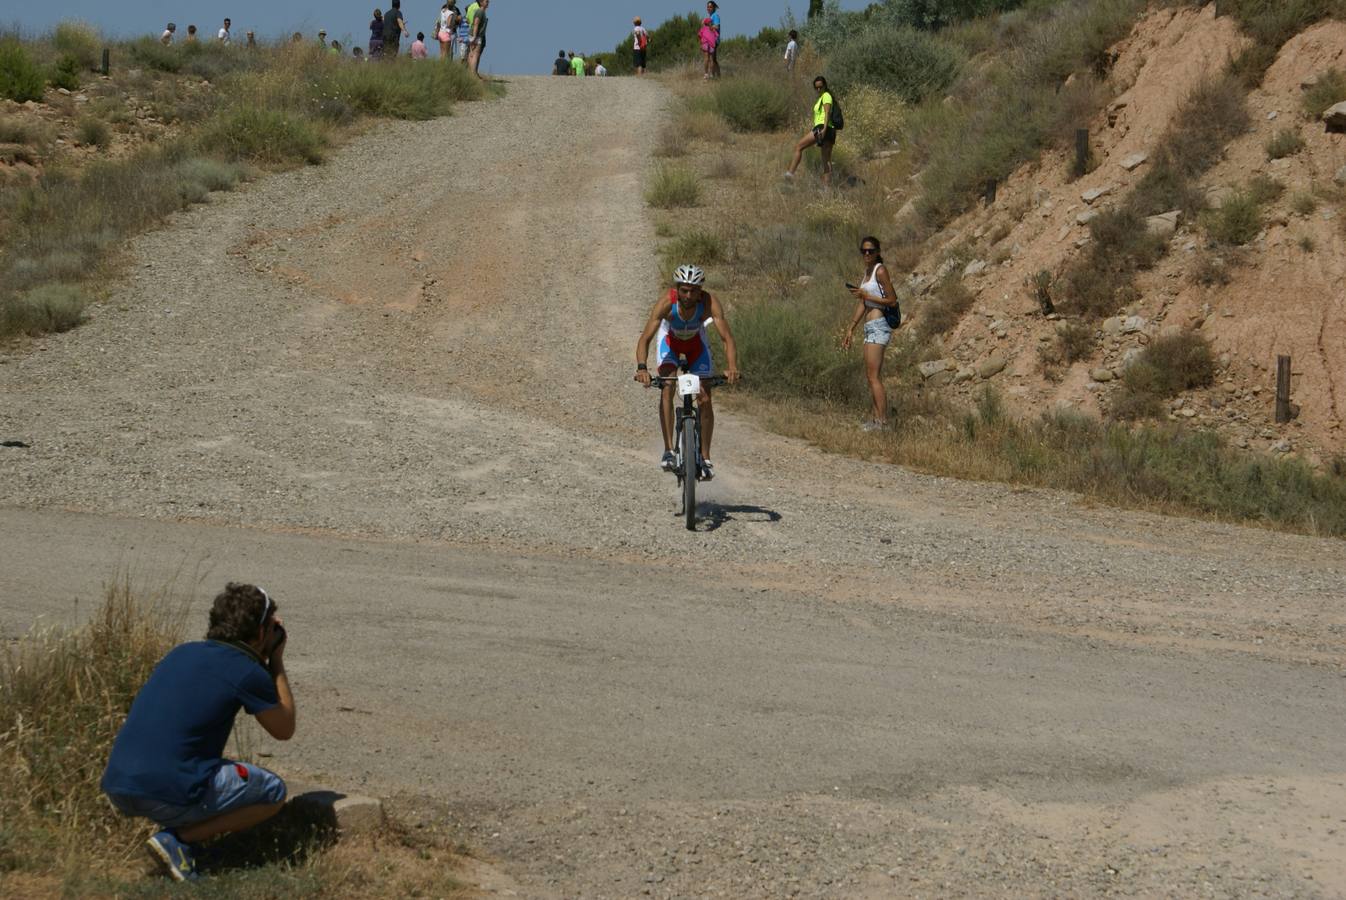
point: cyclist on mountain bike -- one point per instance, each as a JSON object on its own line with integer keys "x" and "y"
{"x": 679, "y": 320}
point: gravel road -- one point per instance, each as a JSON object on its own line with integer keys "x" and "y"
{"x": 407, "y": 373}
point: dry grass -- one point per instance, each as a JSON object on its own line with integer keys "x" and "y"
{"x": 673, "y": 187}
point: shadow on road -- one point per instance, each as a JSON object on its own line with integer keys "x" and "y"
{"x": 713, "y": 515}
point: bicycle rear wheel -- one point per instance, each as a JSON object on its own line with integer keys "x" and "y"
{"x": 690, "y": 438}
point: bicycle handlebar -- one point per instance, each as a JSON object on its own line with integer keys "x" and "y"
{"x": 707, "y": 381}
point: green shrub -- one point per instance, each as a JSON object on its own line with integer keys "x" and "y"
{"x": 21, "y": 79}
{"x": 93, "y": 132}
{"x": 673, "y": 187}
{"x": 263, "y": 135}
{"x": 148, "y": 52}
{"x": 1327, "y": 91}
{"x": 902, "y": 61}
{"x": 1101, "y": 282}
{"x": 1237, "y": 221}
{"x": 80, "y": 41}
{"x": 1270, "y": 23}
{"x": 703, "y": 125}
{"x": 791, "y": 349}
{"x": 1285, "y": 142}
{"x": 404, "y": 89}
{"x": 753, "y": 103}
{"x": 50, "y": 308}
{"x": 1164, "y": 369}
{"x": 65, "y": 74}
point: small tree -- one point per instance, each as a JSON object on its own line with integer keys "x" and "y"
{"x": 815, "y": 8}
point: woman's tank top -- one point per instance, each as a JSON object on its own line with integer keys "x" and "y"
{"x": 872, "y": 287}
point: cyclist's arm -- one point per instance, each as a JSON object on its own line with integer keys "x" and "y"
{"x": 657, "y": 315}
{"x": 726, "y": 335}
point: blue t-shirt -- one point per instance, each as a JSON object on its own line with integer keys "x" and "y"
{"x": 715, "y": 20}
{"x": 174, "y": 737}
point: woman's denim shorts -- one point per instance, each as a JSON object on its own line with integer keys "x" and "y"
{"x": 233, "y": 786}
{"x": 878, "y": 332}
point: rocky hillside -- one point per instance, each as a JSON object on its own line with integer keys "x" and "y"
{"x": 1282, "y": 291}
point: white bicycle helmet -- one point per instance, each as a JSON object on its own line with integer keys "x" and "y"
{"x": 689, "y": 275}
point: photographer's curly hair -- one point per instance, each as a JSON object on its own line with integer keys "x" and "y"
{"x": 236, "y": 613}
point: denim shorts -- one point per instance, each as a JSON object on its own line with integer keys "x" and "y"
{"x": 233, "y": 786}
{"x": 877, "y": 331}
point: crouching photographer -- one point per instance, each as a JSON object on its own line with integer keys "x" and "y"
{"x": 167, "y": 763}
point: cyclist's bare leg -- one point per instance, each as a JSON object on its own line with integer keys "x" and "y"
{"x": 805, "y": 142}
{"x": 707, "y": 423}
{"x": 874, "y": 374}
{"x": 666, "y": 414}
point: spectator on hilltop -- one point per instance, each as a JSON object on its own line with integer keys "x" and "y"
{"x": 376, "y": 34}
{"x": 418, "y": 50}
{"x": 447, "y": 29}
{"x": 709, "y": 41}
{"x": 191, "y": 34}
{"x": 562, "y": 65}
{"x": 713, "y": 13}
{"x": 167, "y": 762}
{"x": 461, "y": 39}
{"x": 167, "y": 37}
{"x": 823, "y": 136}
{"x": 322, "y": 38}
{"x": 599, "y": 69}
{"x": 335, "y": 48}
{"x": 639, "y": 44}
{"x": 252, "y": 41}
{"x": 394, "y": 29}
{"x": 223, "y": 35}
{"x": 477, "y": 36}
{"x": 577, "y": 65}
{"x": 792, "y": 51}
{"x": 297, "y": 38}
{"x": 358, "y": 54}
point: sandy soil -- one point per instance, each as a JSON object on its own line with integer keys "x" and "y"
{"x": 406, "y": 375}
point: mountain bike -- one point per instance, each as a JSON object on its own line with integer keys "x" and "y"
{"x": 687, "y": 435}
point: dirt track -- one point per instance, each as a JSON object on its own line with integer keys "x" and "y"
{"x": 410, "y": 381}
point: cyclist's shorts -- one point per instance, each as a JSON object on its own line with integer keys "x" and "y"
{"x": 696, "y": 350}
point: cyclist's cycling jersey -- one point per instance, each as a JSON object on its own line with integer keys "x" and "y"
{"x": 685, "y": 337}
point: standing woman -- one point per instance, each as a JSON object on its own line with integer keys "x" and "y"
{"x": 713, "y": 11}
{"x": 446, "y": 28}
{"x": 477, "y": 40}
{"x": 708, "y": 39}
{"x": 823, "y": 136}
{"x": 376, "y": 34}
{"x": 878, "y": 308}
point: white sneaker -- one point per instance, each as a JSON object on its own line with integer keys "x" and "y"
{"x": 871, "y": 426}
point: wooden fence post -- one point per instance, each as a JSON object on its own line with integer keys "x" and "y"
{"x": 1282, "y": 389}
{"x": 107, "y": 59}
{"x": 1081, "y": 152}
{"x": 988, "y": 192}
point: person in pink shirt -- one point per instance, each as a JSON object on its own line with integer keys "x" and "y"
{"x": 710, "y": 40}
{"x": 418, "y": 46}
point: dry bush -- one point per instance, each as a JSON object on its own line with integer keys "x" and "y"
{"x": 945, "y": 307}
{"x": 93, "y": 133}
{"x": 1327, "y": 91}
{"x": 1237, "y": 221}
{"x": 1283, "y": 143}
{"x": 1304, "y": 203}
{"x": 1210, "y": 269}
{"x": 671, "y": 142}
{"x": 673, "y": 187}
{"x": 873, "y": 119}
{"x": 703, "y": 125}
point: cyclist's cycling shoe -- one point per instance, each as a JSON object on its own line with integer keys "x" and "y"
{"x": 668, "y": 462}
{"x": 707, "y": 471}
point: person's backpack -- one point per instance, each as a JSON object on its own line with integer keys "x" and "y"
{"x": 838, "y": 120}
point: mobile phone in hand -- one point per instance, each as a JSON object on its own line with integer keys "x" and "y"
{"x": 277, "y": 638}
{"x": 851, "y": 286}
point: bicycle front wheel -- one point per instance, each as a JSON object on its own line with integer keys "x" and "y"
{"x": 690, "y": 437}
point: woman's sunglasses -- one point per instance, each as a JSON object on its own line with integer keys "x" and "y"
{"x": 865, "y": 251}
